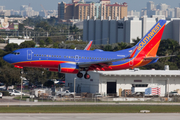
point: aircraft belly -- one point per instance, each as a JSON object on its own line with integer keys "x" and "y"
{"x": 40, "y": 64}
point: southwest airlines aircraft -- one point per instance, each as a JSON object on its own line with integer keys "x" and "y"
{"x": 75, "y": 61}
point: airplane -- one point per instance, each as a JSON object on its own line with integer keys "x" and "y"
{"x": 76, "y": 61}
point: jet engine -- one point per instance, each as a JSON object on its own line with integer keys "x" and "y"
{"x": 68, "y": 68}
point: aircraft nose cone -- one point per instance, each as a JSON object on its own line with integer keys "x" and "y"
{"x": 7, "y": 58}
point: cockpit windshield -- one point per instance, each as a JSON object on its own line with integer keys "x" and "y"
{"x": 15, "y": 53}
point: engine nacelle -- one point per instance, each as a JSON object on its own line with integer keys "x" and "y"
{"x": 68, "y": 68}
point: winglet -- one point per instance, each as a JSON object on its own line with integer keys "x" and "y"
{"x": 133, "y": 53}
{"x": 88, "y": 45}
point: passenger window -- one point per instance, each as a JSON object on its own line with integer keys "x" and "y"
{"x": 64, "y": 56}
{"x": 49, "y": 55}
{"x": 82, "y": 57}
{"x": 34, "y": 54}
{"x": 69, "y": 56}
{"x": 40, "y": 55}
{"x": 59, "y": 56}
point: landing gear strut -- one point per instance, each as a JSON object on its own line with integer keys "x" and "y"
{"x": 79, "y": 75}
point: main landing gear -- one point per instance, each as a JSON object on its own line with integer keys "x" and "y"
{"x": 79, "y": 75}
{"x": 86, "y": 75}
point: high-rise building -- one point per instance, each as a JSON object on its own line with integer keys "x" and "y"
{"x": 80, "y": 10}
{"x": 26, "y": 10}
{"x": 162, "y": 6}
{"x": 150, "y": 5}
{"x": 177, "y": 12}
{"x": 150, "y": 8}
{"x": 133, "y": 13}
{"x": 2, "y": 8}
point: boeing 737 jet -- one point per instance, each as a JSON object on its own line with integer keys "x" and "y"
{"x": 75, "y": 61}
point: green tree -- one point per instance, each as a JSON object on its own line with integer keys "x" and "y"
{"x": 108, "y": 48}
{"x": 27, "y": 44}
{"x": 9, "y": 76}
{"x": 11, "y": 47}
{"x": 55, "y": 45}
{"x": 72, "y": 47}
{"x": 35, "y": 75}
{"x": 48, "y": 41}
{"x": 135, "y": 41}
{"x": 41, "y": 43}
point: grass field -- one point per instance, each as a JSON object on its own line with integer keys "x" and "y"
{"x": 90, "y": 109}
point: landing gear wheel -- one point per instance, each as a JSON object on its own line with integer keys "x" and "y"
{"x": 79, "y": 75}
{"x": 86, "y": 76}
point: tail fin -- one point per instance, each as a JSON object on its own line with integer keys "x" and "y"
{"x": 149, "y": 44}
{"x": 89, "y": 45}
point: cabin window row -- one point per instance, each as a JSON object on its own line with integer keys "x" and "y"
{"x": 77, "y": 57}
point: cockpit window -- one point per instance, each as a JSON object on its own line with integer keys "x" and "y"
{"x": 15, "y": 53}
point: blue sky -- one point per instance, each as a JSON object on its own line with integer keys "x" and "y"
{"x": 52, "y": 4}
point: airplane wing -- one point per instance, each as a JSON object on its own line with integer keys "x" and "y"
{"x": 106, "y": 62}
{"x": 88, "y": 45}
{"x": 150, "y": 58}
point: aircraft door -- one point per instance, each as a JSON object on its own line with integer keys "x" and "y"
{"x": 76, "y": 57}
{"x": 29, "y": 54}
{"x": 131, "y": 62}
